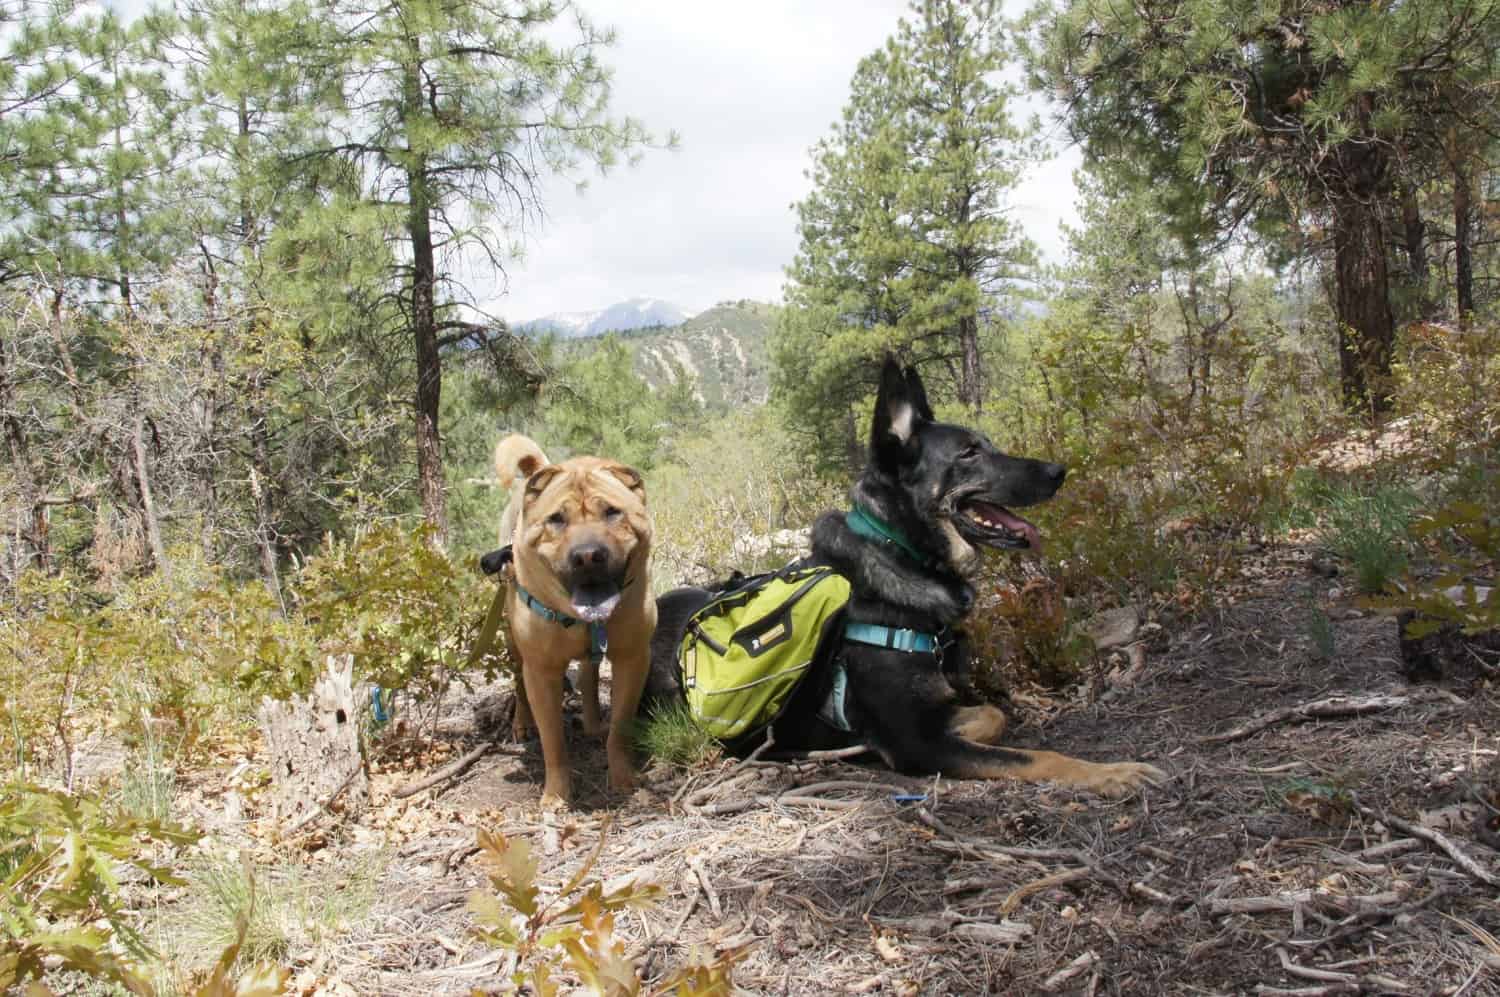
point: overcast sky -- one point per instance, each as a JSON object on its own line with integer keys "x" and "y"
{"x": 750, "y": 87}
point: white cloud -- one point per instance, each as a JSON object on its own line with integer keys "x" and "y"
{"x": 750, "y": 87}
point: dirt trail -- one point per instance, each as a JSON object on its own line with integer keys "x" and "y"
{"x": 1267, "y": 865}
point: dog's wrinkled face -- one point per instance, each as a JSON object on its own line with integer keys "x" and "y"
{"x": 586, "y": 519}
{"x": 953, "y": 475}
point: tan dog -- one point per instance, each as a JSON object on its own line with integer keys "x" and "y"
{"x": 580, "y": 540}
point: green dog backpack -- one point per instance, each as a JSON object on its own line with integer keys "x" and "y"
{"x": 745, "y": 653}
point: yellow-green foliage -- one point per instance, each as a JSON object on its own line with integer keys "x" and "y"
{"x": 62, "y": 913}
{"x": 178, "y": 658}
{"x": 1467, "y": 540}
{"x": 1149, "y": 449}
{"x": 573, "y": 930}
{"x": 408, "y": 613}
{"x": 60, "y": 858}
{"x": 1447, "y": 380}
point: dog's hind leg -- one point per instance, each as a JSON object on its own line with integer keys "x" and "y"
{"x": 627, "y": 681}
{"x": 521, "y": 722}
{"x": 981, "y": 724}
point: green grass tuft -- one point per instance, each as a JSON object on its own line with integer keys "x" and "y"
{"x": 671, "y": 735}
{"x": 1320, "y": 632}
{"x": 1368, "y": 530}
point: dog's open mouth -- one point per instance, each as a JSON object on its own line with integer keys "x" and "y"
{"x": 594, "y": 601}
{"x": 996, "y": 526}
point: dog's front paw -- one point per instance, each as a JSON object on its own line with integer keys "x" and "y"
{"x": 1121, "y": 778}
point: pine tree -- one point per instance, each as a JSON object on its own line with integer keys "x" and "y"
{"x": 1307, "y": 112}
{"x": 450, "y": 112}
{"x": 905, "y": 239}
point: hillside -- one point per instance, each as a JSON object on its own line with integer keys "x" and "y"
{"x": 724, "y": 350}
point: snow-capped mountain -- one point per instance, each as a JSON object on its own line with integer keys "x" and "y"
{"x": 637, "y": 313}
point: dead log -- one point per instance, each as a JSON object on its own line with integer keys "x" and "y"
{"x": 1333, "y": 706}
{"x": 313, "y": 743}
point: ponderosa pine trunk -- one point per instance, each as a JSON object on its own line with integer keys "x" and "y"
{"x": 32, "y": 527}
{"x": 1414, "y": 235}
{"x": 1463, "y": 259}
{"x": 1362, "y": 306}
{"x": 970, "y": 388}
{"x": 424, "y": 327}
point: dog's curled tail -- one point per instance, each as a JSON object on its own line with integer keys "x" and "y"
{"x": 517, "y": 457}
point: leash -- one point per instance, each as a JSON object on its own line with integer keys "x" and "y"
{"x": 865, "y": 523}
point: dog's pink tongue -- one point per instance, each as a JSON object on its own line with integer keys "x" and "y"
{"x": 594, "y": 607}
{"x": 1015, "y": 524}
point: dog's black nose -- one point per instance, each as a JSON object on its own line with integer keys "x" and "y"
{"x": 588, "y": 555}
{"x": 1055, "y": 473}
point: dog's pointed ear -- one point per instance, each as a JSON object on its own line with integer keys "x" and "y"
{"x": 897, "y": 414}
{"x": 918, "y": 393}
{"x": 629, "y": 477}
{"x": 538, "y": 482}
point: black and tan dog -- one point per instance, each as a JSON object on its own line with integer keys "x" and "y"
{"x": 580, "y": 541}
{"x": 932, "y": 495}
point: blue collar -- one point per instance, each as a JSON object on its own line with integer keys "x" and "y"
{"x": 598, "y": 634}
{"x": 894, "y": 638}
{"x": 865, "y": 523}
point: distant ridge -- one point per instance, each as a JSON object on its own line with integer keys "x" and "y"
{"x": 624, "y": 316}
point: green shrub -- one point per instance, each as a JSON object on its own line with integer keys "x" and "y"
{"x": 1306, "y": 495}
{"x": 742, "y": 478}
{"x": 1466, "y": 536}
{"x": 407, "y": 612}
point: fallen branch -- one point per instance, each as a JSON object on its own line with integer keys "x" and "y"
{"x": 1388, "y": 849}
{"x": 734, "y": 777}
{"x": 1438, "y": 839}
{"x": 695, "y": 863}
{"x": 1361, "y": 921}
{"x": 449, "y": 771}
{"x": 830, "y": 755}
{"x": 1310, "y": 973}
{"x": 816, "y": 789}
{"x": 754, "y": 756}
{"x": 1333, "y": 706}
{"x": 1082, "y": 964}
{"x": 1004, "y": 932}
{"x": 1295, "y": 898}
{"x": 1058, "y": 878}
